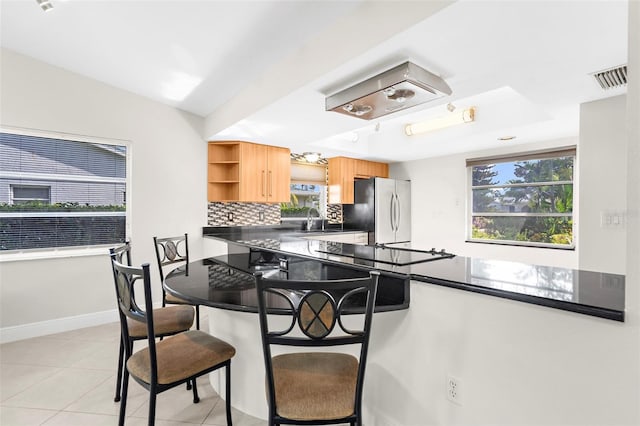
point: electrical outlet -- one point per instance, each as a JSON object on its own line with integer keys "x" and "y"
{"x": 454, "y": 389}
{"x": 261, "y": 216}
{"x": 230, "y": 216}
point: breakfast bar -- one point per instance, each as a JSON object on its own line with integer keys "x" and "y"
{"x": 586, "y": 292}
{"x": 420, "y": 318}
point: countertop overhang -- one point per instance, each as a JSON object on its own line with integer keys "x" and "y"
{"x": 586, "y": 292}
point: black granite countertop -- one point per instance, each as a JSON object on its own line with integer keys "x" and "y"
{"x": 227, "y": 282}
{"x": 586, "y": 292}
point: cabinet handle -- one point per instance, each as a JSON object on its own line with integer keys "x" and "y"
{"x": 270, "y": 183}
{"x": 264, "y": 184}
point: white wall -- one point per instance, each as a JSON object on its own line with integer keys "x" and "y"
{"x": 603, "y": 172}
{"x": 517, "y": 364}
{"x": 167, "y": 193}
{"x": 438, "y": 208}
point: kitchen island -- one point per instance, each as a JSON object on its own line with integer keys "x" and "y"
{"x": 540, "y": 331}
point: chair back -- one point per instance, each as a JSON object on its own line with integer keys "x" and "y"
{"x": 171, "y": 250}
{"x": 122, "y": 253}
{"x": 317, "y": 307}
{"x": 125, "y": 278}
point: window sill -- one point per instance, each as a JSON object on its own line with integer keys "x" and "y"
{"x": 18, "y": 256}
{"x": 521, "y": 244}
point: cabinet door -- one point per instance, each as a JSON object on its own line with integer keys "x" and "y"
{"x": 253, "y": 173}
{"x": 344, "y": 170}
{"x": 278, "y": 178}
{"x": 376, "y": 169}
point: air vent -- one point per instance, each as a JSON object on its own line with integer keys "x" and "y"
{"x": 612, "y": 77}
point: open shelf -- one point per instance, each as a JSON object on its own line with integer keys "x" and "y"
{"x": 223, "y": 191}
{"x": 223, "y": 174}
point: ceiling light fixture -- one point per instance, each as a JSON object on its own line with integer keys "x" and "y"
{"x": 395, "y": 89}
{"x": 45, "y": 5}
{"x": 311, "y": 157}
{"x": 456, "y": 117}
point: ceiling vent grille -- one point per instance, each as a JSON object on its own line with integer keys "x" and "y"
{"x": 612, "y": 77}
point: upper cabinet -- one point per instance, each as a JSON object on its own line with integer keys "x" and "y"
{"x": 248, "y": 172}
{"x": 343, "y": 171}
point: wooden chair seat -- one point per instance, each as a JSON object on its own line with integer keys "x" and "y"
{"x": 180, "y": 357}
{"x": 168, "y": 320}
{"x": 315, "y": 385}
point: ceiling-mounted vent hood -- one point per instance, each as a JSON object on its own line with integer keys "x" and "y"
{"x": 394, "y": 90}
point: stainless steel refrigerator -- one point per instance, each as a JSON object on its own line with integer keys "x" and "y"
{"x": 383, "y": 208}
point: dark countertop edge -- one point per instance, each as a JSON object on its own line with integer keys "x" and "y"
{"x": 535, "y": 300}
{"x": 605, "y": 313}
{"x": 254, "y": 310}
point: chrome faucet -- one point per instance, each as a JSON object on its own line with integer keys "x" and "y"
{"x": 310, "y": 218}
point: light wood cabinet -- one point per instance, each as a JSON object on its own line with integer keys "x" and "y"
{"x": 248, "y": 172}
{"x": 343, "y": 171}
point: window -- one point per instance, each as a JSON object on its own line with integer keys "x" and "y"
{"x": 523, "y": 200}
{"x": 308, "y": 192}
{"x": 30, "y": 194}
{"x": 58, "y": 192}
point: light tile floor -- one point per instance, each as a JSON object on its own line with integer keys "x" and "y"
{"x": 68, "y": 379}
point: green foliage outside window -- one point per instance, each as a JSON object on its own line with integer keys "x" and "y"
{"x": 39, "y": 206}
{"x": 528, "y": 201}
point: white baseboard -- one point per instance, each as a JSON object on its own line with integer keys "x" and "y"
{"x": 58, "y": 325}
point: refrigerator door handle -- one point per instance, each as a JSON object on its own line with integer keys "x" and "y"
{"x": 397, "y": 212}
{"x": 392, "y": 213}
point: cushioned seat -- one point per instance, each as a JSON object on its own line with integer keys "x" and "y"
{"x": 171, "y": 299}
{"x": 183, "y": 355}
{"x": 315, "y": 385}
{"x": 166, "y": 321}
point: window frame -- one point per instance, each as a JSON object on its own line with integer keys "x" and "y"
{"x": 73, "y": 251}
{"x": 568, "y": 151}
{"x": 13, "y": 188}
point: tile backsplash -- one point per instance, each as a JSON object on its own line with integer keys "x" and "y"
{"x": 334, "y": 213}
{"x": 239, "y": 214}
{"x": 243, "y": 214}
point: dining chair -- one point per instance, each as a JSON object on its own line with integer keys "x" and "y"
{"x": 168, "y": 321}
{"x": 172, "y": 250}
{"x": 177, "y": 359}
{"x": 310, "y": 388}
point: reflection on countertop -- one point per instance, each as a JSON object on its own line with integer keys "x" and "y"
{"x": 587, "y": 292}
{"x": 227, "y": 281}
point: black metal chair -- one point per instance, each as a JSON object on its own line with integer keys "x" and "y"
{"x": 310, "y": 388}
{"x": 171, "y": 250}
{"x": 168, "y": 321}
{"x": 177, "y": 359}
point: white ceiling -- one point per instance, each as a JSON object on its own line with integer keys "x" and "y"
{"x": 525, "y": 65}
